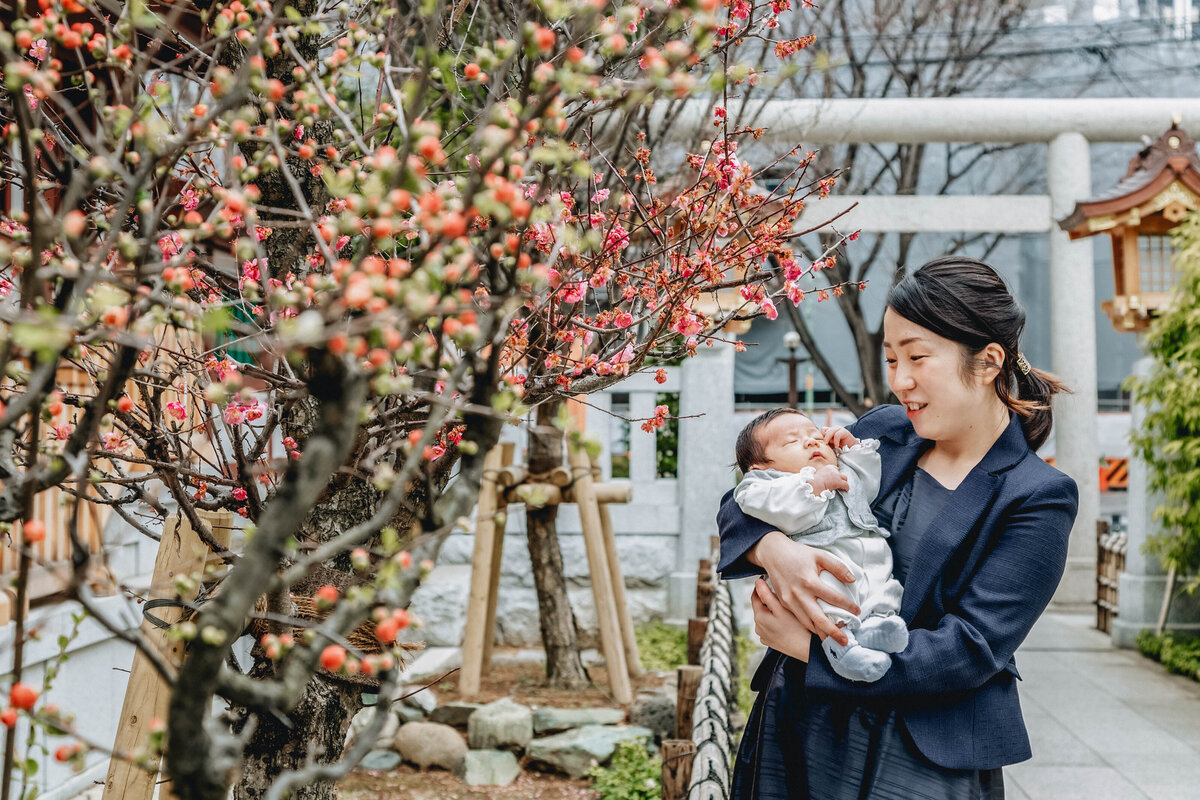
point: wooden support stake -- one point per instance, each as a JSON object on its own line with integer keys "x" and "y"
{"x": 477, "y": 633}
{"x": 697, "y": 627}
{"x": 146, "y": 697}
{"x": 489, "y": 625}
{"x": 633, "y": 661}
{"x": 677, "y": 757}
{"x": 601, "y": 576}
{"x": 687, "y": 683}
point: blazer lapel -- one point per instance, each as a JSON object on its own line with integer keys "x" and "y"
{"x": 898, "y": 457}
{"x": 944, "y": 534}
{"x": 965, "y": 506}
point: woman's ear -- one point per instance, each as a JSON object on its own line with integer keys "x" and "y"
{"x": 993, "y": 354}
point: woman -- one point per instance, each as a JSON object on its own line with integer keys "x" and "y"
{"x": 979, "y": 532}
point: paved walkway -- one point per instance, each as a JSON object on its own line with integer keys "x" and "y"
{"x": 1106, "y": 724}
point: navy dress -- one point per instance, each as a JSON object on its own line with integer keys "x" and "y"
{"x": 983, "y": 570}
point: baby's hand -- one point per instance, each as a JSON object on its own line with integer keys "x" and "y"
{"x": 838, "y": 437}
{"x": 829, "y": 477}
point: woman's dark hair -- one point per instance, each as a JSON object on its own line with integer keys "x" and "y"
{"x": 748, "y": 450}
{"x": 964, "y": 300}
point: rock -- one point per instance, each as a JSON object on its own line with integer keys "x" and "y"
{"x": 455, "y": 714}
{"x": 656, "y": 711}
{"x": 415, "y": 696}
{"x": 433, "y": 662}
{"x": 429, "y": 744}
{"x": 489, "y": 768}
{"x": 360, "y": 722}
{"x": 503, "y": 724}
{"x": 553, "y": 720}
{"x": 380, "y": 760}
{"x": 405, "y": 713}
{"x": 580, "y": 749}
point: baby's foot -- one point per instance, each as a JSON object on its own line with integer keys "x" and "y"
{"x": 855, "y": 662}
{"x": 886, "y": 633}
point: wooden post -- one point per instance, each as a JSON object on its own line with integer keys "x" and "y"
{"x": 146, "y": 697}
{"x": 628, "y": 639}
{"x": 704, "y": 587}
{"x": 501, "y": 517}
{"x": 697, "y": 627}
{"x": 677, "y": 757}
{"x": 687, "y": 683}
{"x": 601, "y": 576}
{"x": 477, "y": 634}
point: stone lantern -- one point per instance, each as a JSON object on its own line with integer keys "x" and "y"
{"x": 1160, "y": 187}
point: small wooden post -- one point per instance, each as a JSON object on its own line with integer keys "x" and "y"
{"x": 476, "y": 637}
{"x": 704, "y": 587}
{"x": 146, "y": 698}
{"x": 677, "y": 756}
{"x": 628, "y": 640}
{"x": 697, "y": 627}
{"x": 601, "y": 576}
{"x": 687, "y": 684}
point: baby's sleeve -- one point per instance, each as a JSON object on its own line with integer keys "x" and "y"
{"x": 863, "y": 459}
{"x": 783, "y": 499}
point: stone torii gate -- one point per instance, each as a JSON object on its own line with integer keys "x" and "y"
{"x": 1067, "y": 127}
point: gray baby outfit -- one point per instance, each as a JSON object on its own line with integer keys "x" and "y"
{"x": 841, "y": 524}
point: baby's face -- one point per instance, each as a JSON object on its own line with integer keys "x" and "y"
{"x": 792, "y": 442}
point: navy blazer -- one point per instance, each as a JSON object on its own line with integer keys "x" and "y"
{"x": 986, "y": 569}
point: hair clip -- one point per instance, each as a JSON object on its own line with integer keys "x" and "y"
{"x": 1022, "y": 364}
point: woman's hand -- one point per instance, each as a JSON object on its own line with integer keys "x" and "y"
{"x": 775, "y": 625}
{"x": 795, "y": 572}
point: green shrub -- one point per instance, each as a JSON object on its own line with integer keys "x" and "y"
{"x": 1178, "y": 652}
{"x": 661, "y": 646}
{"x": 632, "y": 774}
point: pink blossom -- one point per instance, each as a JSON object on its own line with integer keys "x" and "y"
{"x": 573, "y": 292}
{"x": 768, "y": 308}
{"x": 617, "y": 239}
{"x": 30, "y": 98}
{"x": 623, "y": 319}
{"x": 687, "y": 325}
{"x": 600, "y": 196}
{"x": 176, "y": 410}
{"x": 190, "y": 198}
{"x": 239, "y": 493}
{"x": 39, "y": 51}
{"x": 299, "y": 132}
{"x": 234, "y": 414}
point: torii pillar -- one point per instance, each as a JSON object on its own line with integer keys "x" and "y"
{"x": 1073, "y": 348}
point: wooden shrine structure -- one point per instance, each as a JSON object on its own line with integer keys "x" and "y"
{"x": 1161, "y": 186}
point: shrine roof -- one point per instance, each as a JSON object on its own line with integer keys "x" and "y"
{"x": 1171, "y": 158}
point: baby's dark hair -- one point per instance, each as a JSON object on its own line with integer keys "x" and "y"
{"x": 749, "y": 450}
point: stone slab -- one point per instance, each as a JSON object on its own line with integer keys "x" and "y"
{"x": 580, "y": 749}
{"x": 489, "y": 768}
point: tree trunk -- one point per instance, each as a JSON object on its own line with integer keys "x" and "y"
{"x": 317, "y": 732}
{"x": 564, "y": 667}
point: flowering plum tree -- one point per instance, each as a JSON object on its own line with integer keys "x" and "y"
{"x": 303, "y": 260}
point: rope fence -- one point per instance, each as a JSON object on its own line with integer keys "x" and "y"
{"x": 696, "y": 764}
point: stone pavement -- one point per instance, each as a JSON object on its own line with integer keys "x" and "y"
{"x": 1105, "y": 724}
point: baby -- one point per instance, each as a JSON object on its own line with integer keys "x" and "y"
{"x": 816, "y": 487}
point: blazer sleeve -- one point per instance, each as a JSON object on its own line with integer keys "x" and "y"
{"x": 978, "y": 635}
{"x": 739, "y": 533}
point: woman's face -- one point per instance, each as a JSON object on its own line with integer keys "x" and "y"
{"x": 924, "y": 371}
